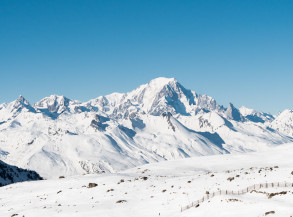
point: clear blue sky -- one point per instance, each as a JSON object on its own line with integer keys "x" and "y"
{"x": 235, "y": 51}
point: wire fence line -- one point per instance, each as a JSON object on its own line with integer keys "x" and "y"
{"x": 236, "y": 192}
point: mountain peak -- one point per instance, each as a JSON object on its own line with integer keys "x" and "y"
{"x": 233, "y": 113}
{"x": 57, "y": 97}
{"x": 53, "y": 104}
{"x": 19, "y": 104}
{"x": 246, "y": 111}
{"x": 163, "y": 80}
{"x": 156, "y": 97}
{"x": 286, "y": 113}
{"x": 22, "y": 100}
{"x": 157, "y": 84}
{"x": 284, "y": 122}
{"x": 161, "y": 95}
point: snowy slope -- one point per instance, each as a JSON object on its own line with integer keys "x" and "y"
{"x": 255, "y": 116}
{"x": 284, "y": 122}
{"x": 67, "y": 149}
{"x": 160, "y": 189}
{"x": 158, "y": 121}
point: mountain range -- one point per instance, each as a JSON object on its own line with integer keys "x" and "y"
{"x": 158, "y": 121}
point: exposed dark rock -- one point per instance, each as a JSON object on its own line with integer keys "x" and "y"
{"x": 168, "y": 116}
{"x": 12, "y": 174}
{"x": 230, "y": 179}
{"x": 92, "y": 185}
{"x": 270, "y": 212}
{"x": 99, "y": 125}
{"x": 277, "y": 193}
{"x": 121, "y": 201}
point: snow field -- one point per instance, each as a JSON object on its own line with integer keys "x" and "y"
{"x": 161, "y": 189}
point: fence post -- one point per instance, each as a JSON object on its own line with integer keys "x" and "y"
{"x": 266, "y": 185}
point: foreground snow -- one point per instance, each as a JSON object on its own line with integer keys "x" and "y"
{"x": 160, "y": 189}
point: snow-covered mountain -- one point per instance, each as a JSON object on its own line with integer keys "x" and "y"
{"x": 159, "y": 96}
{"x": 284, "y": 122}
{"x": 255, "y": 116}
{"x": 160, "y": 120}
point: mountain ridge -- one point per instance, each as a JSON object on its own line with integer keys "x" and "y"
{"x": 160, "y": 120}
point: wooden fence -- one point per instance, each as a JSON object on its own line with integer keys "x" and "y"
{"x": 236, "y": 192}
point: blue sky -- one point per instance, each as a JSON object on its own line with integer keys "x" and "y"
{"x": 234, "y": 51}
